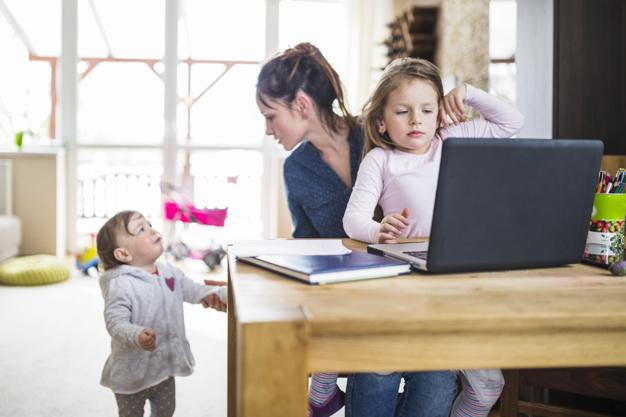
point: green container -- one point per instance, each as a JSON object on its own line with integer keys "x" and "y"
{"x": 605, "y": 241}
{"x": 609, "y": 206}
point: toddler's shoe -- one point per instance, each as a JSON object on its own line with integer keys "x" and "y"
{"x": 331, "y": 406}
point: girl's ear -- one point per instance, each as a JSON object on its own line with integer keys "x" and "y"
{"x": 381, "y": 127}
{"x": 122, "y": 255}
{"x": 303, "y": 104}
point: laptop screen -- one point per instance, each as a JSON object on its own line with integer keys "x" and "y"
{"x": 512, "y": 203}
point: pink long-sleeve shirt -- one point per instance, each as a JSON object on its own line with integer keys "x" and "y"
{"x": 398, "y": 180}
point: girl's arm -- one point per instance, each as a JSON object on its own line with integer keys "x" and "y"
{"x": 193, "y": 292}
{"x": 500, "y": 119}
{"x": 117, "y": 314}
{"x": 368, "y": 187}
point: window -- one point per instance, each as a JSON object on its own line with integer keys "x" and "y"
{"x": 502, "y": 46}
{"x": 27, "y": 73}
{"x": 120, "y": 143}
{"x": 322, "y": 23}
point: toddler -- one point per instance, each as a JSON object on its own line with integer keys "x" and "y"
{"x": 143, "y": 312}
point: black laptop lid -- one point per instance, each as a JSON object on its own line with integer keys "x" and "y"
{"x": 512, "y": 203}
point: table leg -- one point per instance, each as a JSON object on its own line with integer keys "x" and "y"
{"x": 232, "y": 356}
{"x": 510, "y": 395}
{"x": 271, "y": 370}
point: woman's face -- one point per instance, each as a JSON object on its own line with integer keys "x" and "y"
{"x": 283, "y": 122}
{"x": 410, "y": 116}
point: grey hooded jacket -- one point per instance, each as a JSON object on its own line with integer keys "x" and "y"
{"x": 134, "y": 299}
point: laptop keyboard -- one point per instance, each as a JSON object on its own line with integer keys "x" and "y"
{"x": 419, "y": 254}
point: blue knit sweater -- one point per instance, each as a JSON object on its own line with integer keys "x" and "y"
{"x": 316, "y": 195}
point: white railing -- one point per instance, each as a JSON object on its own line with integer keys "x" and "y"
{"x": 103, "y": 196}
{"x": 100, "y": 197}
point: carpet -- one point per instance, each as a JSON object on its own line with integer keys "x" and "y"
{"x": 54, "y": 344}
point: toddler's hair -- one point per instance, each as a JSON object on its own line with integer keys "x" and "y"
{"x": 106, "y": 240}
{"x": 304, "y": 68}
{"x": 399, "y": 71}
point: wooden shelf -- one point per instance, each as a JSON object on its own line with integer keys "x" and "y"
{"x": 413, "y": 34}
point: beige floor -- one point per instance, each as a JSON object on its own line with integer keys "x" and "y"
{"x": 53, "y": 344}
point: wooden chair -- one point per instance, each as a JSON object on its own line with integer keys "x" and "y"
{"x": 571, "y": 392}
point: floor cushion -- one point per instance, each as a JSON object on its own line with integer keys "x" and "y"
{"x": 33, "y": 270}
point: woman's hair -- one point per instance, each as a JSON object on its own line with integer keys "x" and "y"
{"x": 106, "y": 240}
{"x": 304, "y": 68}
{"x": 399, "y": 71}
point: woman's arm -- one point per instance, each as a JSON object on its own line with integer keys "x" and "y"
{"x": 302, "y": 225}
{"x": 368, "y": 187}
{"x": 500, "y": 119}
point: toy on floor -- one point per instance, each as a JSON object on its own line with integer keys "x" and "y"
{"x": 87, "y": 260}
{"x": 211, "y": 257}
{"x": 178, "y": 207}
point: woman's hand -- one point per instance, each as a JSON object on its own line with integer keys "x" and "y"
{"x": 147, "y": 339}
{"x": 392, "y": 225}
{"x": 452, "y": 106}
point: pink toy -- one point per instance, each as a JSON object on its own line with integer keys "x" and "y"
{"x": 187, "y": 213}
{"x": 177, "y": 207}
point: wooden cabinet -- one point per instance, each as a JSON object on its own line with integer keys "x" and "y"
{"x": 590, "y": 72}
{"x": 38, "y": 200}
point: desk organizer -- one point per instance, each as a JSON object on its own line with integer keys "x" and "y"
{"x": 605, "y": 241}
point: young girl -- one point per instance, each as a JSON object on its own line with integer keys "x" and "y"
{"x": 143, "y": 311}
{"x": 399, "y": 172}
{"x": 296, "y": 92}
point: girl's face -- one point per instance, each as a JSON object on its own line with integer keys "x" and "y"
{"x": 283, "y": 122}
{"x": 410, "y": 116}
{"x": 143, "y": 244}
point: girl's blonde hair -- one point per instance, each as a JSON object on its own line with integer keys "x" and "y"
{"x": 399, "y": 71}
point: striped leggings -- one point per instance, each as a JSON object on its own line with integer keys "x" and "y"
{"x": 481, "y": 390}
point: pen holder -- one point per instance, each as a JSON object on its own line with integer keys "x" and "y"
{"x": 605, "y": 241}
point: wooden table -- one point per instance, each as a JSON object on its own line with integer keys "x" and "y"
{"x": 280, "y": 330}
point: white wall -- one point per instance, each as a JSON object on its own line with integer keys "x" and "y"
{"x": 534, "y": 57}
{"x": 367, "y": 20}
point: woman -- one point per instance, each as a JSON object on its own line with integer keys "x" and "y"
{"x": 297, "y": 93}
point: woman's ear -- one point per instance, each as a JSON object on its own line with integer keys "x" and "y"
{"x": 122, "y": 255}
{"x": 303, "y": 104}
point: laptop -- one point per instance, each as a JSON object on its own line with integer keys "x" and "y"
{"x": 507, "y": 204}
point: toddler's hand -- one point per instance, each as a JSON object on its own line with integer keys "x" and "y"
{"x": 452, "y": 106}
{"x": 147, "y": 339}
{"x": 392, "y": 225}
{"x": 216, "y": 301}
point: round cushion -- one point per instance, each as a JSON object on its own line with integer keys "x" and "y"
{"x": 33, "y": 270}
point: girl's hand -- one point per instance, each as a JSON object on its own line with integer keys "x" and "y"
{"x": 392, "y": 225}
{"x": 147, "y": 339}
{"x": 213, "y": 301}
{"x": 452, "y": 106}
